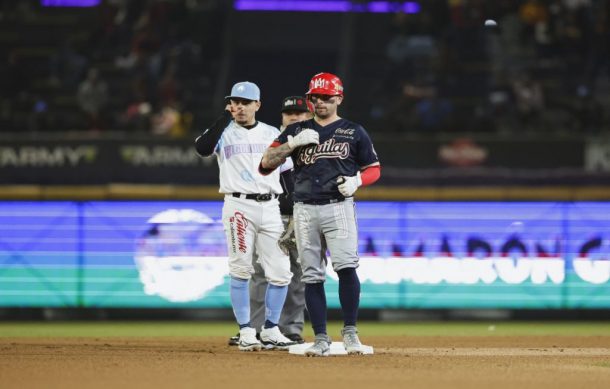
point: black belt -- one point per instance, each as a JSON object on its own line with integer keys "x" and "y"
{"x": 256, "y": 196}
{"x": 322, "y": 202}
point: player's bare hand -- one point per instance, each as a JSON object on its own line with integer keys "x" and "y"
{"x": 305, "y": 137}
{"x": 229, "y": 108}
{"x": 349, "y": 185}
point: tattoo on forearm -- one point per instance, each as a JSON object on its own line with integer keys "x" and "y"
{"x": 275, "y": 156}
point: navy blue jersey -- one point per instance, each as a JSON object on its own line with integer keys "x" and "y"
{"x": 344, "y": 149}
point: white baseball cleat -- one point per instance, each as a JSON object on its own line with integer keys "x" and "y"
{"x": 248, "y": 341}
{"x": 272, "y": 338}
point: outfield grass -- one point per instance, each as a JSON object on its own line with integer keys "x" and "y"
{"x": 197, "y": 329}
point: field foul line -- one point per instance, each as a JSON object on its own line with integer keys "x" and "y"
{"x": 499, "y": 352}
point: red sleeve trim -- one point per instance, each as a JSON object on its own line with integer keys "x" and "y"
{"x": 261, "y": 169}
{"x": 370, "y": 174}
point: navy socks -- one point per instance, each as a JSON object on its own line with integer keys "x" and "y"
{"x": 349, "y": 295}
{"x": 315, "y": 299}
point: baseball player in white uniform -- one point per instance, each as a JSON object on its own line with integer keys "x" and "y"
{"x": 251, "y": 214}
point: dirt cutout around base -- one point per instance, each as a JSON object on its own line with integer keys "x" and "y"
{"x": 398, "y": 362}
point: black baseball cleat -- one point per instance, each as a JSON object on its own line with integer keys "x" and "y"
{"x": 296, "y": 338}
{"x": 234, "y": 340}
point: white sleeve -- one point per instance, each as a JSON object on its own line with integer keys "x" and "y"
{"x": 287, "y": 165}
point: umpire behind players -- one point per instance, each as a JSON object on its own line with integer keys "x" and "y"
{"x": 332, "y": 157}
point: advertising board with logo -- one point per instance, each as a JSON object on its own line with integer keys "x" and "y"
{"x": 413, "y": 255}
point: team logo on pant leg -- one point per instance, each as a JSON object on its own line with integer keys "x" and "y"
{"x": 238, "y": 232}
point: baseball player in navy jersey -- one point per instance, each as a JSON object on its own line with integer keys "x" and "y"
{"x": 332, "y": 158}
{"x": 250, "y": 214}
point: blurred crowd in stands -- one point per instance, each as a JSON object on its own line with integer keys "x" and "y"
{"x": 150, "y": 66}
{"x": 545, "y": 67}
{"x": 126, "y": 65}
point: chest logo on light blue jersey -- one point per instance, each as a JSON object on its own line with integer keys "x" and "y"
{"x": 328, "y": 149}
{"x": 245, "y": 148}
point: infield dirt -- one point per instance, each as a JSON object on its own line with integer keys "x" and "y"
{"x": 399, "y": 362}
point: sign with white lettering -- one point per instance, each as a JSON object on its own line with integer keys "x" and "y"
{"x": 413, "y": 254}
{"x": 101, "y": 161}
{"x": 460, "y": 161}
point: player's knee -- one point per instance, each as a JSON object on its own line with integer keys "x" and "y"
{"x": 240, "y": 272}
{"x": 348, "y": 275}
{"x": 313, "y": 277}
{"x": 239, "y": 283}
{"x": 278, "y": 283}
{"x": 340, "y": 266}
{"x": 279, "y": 278}
{"x": 346, "y": 272}
{"x": 240, "y": 275}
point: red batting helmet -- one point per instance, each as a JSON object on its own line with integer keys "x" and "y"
{"x": 325, "y": 84}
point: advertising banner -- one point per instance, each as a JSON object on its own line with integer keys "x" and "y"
{"x": 158, "y": 161}
{"x": 104, "y": 162}
{"x": 413, "y": 255}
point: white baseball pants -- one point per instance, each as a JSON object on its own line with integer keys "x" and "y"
{"x": 250, "y": 224}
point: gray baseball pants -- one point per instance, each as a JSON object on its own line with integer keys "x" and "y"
{"x": 336, "y": 223}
